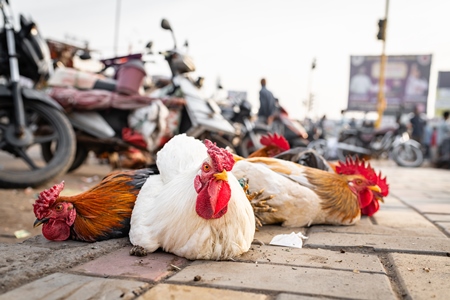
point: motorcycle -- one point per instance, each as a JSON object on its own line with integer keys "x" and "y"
{"x": 99, "y": 110}
{"x": 248, "y": 133}
{"x": 28, "y": 117}
{"x": 386, "y": 142}
{"x": 200, "y": 116}
{"x": 290, "y": 128}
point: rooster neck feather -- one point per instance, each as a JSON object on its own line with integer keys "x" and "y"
{"x": 335, "y": 194}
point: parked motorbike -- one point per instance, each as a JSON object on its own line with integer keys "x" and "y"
{"x": 28, "y": 117}
{"x": 99, "y": 110}
{"x": 387, "y": 142}
{"x": 200, "y": 117}
{"x": 248, "y": 133}
{"x": 290, "y": 128}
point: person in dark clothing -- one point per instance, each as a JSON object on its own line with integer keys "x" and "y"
{"x": 267, "y": 104}
{"x": 418, "y": 126}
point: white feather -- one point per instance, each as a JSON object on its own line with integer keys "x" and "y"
{"x": 164, "y": 214}
{"x": 296, "y": 205}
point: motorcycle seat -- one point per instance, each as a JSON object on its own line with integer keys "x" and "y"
{"x": 107, "y": 84}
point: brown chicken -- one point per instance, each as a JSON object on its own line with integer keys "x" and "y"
{"x": 273, "y": 145}
{"x": 101, "y": 213}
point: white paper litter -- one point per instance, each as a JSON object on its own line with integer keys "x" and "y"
{"x": 294, "y": 240}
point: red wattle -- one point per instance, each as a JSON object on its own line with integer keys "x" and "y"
{"x": 212, "y": 200}
{"x": 370, "y": 209}
{"x": 365, "y": 198}
{"x": 56, "y": 230}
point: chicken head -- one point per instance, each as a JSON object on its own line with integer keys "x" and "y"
{"x": 211, "y": 183}
{"x": 55, "y": 217}
{"x": 367, "y": 184}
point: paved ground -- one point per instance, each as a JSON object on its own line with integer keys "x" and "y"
{"x": 401, "y": 252}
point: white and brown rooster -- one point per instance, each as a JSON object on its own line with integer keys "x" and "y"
{"x": 305, "y": 196}
{"x": 196, "y": 207}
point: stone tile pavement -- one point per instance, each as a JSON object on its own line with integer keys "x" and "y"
{"x": 401, "y": 252}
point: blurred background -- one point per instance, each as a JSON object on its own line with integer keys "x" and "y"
{"x": 239, "y": 42}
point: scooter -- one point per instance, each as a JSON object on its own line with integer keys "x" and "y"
{"x": 28, "y": 117}
{"x": 200, "y": 117}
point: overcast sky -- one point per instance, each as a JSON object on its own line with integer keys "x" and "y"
{"x": 241, "y": 41}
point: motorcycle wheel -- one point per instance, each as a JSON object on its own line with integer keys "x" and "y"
{"x": 408, "y": 155}
{"x": 81, "y": 155}
{"x": 23, "y": 166}
{"x": 246, "y": 146}
{"x": 351, "y": 140}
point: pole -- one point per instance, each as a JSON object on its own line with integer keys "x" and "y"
{"x": 116, "y": 29}
{"x": 381, "y": 103}
{"x": 308, "y": 101}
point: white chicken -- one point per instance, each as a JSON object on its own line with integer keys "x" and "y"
{"x": 196, "y": 207}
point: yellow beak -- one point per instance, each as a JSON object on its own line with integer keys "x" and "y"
{"x": 221, "y": 176}
{"x": 374, "y": 188}
{"x": 237, "y": 157}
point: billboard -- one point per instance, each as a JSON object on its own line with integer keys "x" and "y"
{"x": 407, "y": 80}
{"x": 442, "y": 93}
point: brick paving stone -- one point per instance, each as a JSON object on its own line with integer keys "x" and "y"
{"x": 426, "y": 208}
{"x": 40, "y": 241}
{"x": 154, "y": 266}
{"x": 276, "y": 278}
{"x": 267, "y": 232}
{"x": 392, "y": 203}
{"x": 24, "y": 262}
{"x": 296, "y": 297}
{"x": 445, "y": 226}
{"x": 389, "y": 221}
{"x": 424, "y": 277}
{"x": 318, "y": 258}
{"x": 407, "y": 222}
{"x": 380, "y": 230}
{"x": 379, "y": 242}
{"x": 185, "y": 292}
{"x": 438, "y": 217}
{"x": 75, "y": 287}
{"x": 400, "y": 218}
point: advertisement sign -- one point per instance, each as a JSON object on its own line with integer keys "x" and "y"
{"x": 442, "y": 93}
{"x": 407, "y": 80}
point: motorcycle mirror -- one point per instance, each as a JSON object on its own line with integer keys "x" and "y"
{"x": 166, "y": 25}
{"x": 85, "y": 55}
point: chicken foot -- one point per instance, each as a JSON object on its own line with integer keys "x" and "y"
{"x": 138, "y": 251}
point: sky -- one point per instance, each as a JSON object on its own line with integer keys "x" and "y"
{"x": 242, "y": 41}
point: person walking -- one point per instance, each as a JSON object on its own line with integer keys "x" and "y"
{"x": 267, "y": 104}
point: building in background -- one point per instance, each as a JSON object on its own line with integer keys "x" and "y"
{"x": 442, "y": 94}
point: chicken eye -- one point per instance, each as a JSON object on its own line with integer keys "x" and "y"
{"x": 206, "y": 168}
{"x": 358, "y": 181}
{"x": 58, "y": 207}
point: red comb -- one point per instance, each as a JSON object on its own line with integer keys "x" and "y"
{"x": 350, "y": 167}
{"x": 275, "y": 140}
{"x": 46, "y": 199}
{"x": 222, "y": 158}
